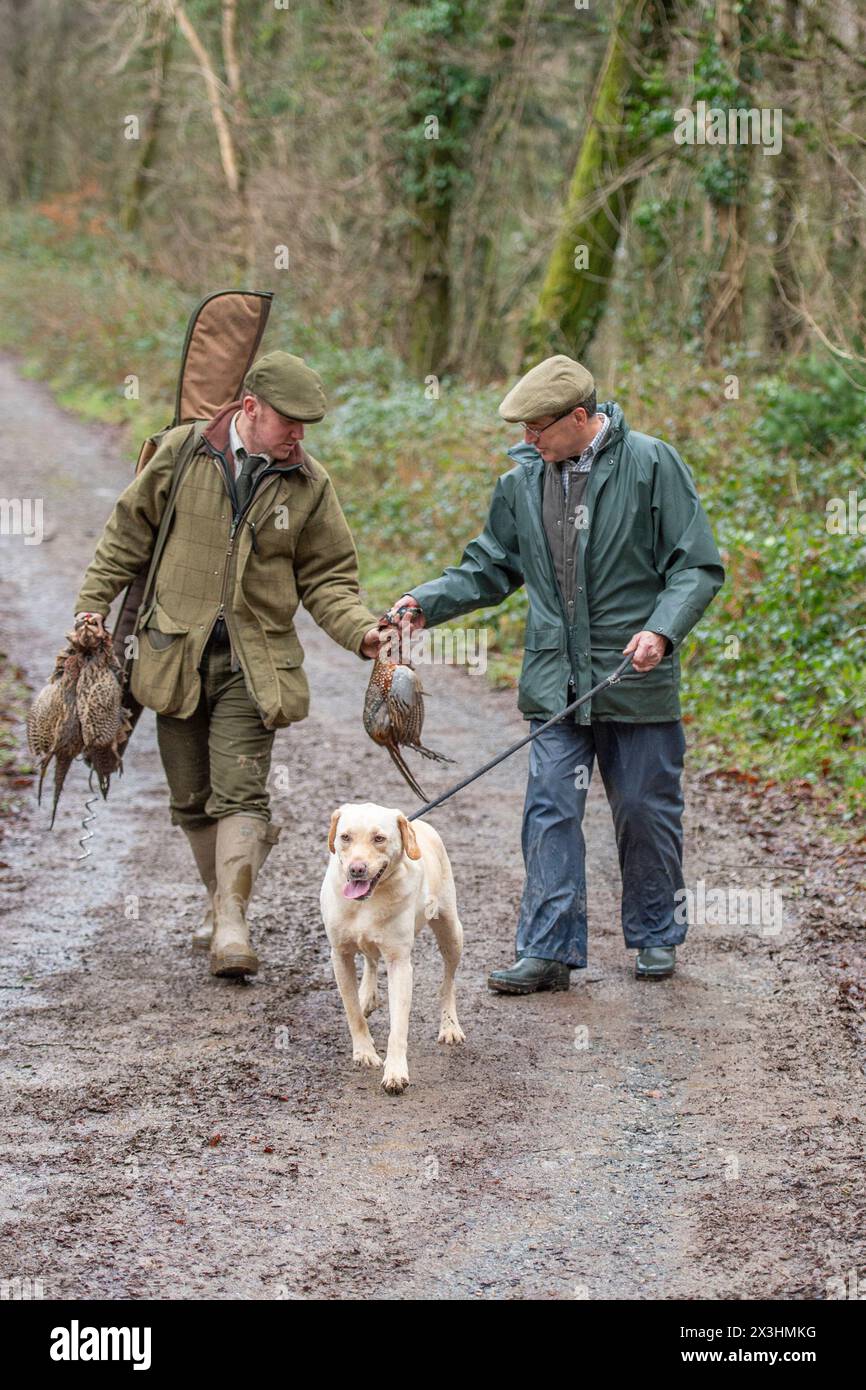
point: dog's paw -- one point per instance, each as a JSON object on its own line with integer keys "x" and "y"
{"x": 368, "y": 1003}
{"x": 366, "y": 1057}
{"x": 396, "y": 1079}
{"x": 451, "y": 1032}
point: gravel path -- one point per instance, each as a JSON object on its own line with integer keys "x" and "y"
{"x": 168, "y": 1135}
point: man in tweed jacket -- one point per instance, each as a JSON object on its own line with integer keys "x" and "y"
{"x": 257, "y": 530}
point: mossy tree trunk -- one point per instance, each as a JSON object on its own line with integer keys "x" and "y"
{"x": 576, "y": 284}
{"x": 428, "y": 246}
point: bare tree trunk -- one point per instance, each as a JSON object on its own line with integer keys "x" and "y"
{"x": 724, "y": 322}
{"x": 476, "y": 335}
{"x": 226, "y": 129}
{"x": 22, "y": 154}
{"x": 38, "y": 48}
{"x": 130, "y": 214}
{"x": 240, "y": 123}
{"x": 784, "y": 326}
{"x": 434, "y": 62}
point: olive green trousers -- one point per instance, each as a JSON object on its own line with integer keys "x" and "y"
{"x": 217, "y": 762}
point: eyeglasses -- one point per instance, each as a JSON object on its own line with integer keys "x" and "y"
{"x": 536, "y": 434}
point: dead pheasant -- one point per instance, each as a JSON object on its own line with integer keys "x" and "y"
{"x": 394, "y": 712}
{"x": 79, "y": 711}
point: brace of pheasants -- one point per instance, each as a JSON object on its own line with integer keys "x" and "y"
{"x": 79, "y": 711}
{"x": 394, "y": 709}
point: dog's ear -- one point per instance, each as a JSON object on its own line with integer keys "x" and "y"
{"x": 407, "y": 835}
{"x": 332, "y": 833}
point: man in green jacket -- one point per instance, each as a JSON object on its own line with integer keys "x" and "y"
{"x": 257, "y": 530}
{"x": 605, "y": 529}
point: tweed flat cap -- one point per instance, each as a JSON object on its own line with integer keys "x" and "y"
{"x": 289, "y": 385}
{"x": 556, "y": 385}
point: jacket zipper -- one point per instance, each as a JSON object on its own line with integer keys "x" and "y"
{"x": 533, "y": 489}
{"x": 221, "y": 611}
{"x": 535, "y": 485}
{"x": 582, "y": 547}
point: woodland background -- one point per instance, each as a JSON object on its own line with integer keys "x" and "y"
{"x": 153, "y": 151}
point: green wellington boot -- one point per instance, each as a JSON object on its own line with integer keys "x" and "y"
{"x": 202, "y": 841}
{"x": 529, "y": 974}
{"x": 243, "y": 845}
{"x": 655, "y": 962}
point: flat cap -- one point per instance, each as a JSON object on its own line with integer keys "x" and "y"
{"x": 289, "y": 385}
{"x": 556, "y": 385}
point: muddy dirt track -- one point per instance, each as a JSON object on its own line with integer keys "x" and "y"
{"x": 168, "y": 1135}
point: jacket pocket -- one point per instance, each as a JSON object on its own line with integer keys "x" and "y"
{"x": 606, "y": 659}
{"x": 158, "y": 670}
{"x": 544, "y": 674}
{"x": 638, "y": 697}
{"x": 285, "y": 646}
{"x": 294, "y": 690}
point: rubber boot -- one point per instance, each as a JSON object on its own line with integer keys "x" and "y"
{"x": 243, "y": 844}
{"x": 202, "y": 842}
{"x": 530, "y": 974}
{"x": 655, "y": 962}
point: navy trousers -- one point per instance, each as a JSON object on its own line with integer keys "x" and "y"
{"x": 640, "y": 766}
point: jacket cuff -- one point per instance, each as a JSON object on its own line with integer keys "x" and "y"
{"x": 354, "y": 645}
{"x": 677, "y": 626}
{"x": 82, "y": 606}
{"x": 434, "y": 604}
{"x": 659, "y": 632}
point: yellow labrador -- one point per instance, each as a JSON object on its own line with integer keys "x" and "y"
{"x": 386, "y": 878}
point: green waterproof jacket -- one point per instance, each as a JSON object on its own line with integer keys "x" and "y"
{"x": 646, "y": 560}
{"x": 290, "y": 545}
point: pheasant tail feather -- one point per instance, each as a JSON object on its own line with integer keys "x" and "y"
{"x": 405, "y": 772}
{"x": 428, "y": 753}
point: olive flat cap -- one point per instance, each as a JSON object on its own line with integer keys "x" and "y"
{"x": 556, "y": 385}
{"x": 289, "y": 385}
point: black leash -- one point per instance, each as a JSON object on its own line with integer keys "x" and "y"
{"x": 569, "y": 709}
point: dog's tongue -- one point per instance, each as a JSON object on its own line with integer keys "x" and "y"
{"x": 356, "y": 888}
